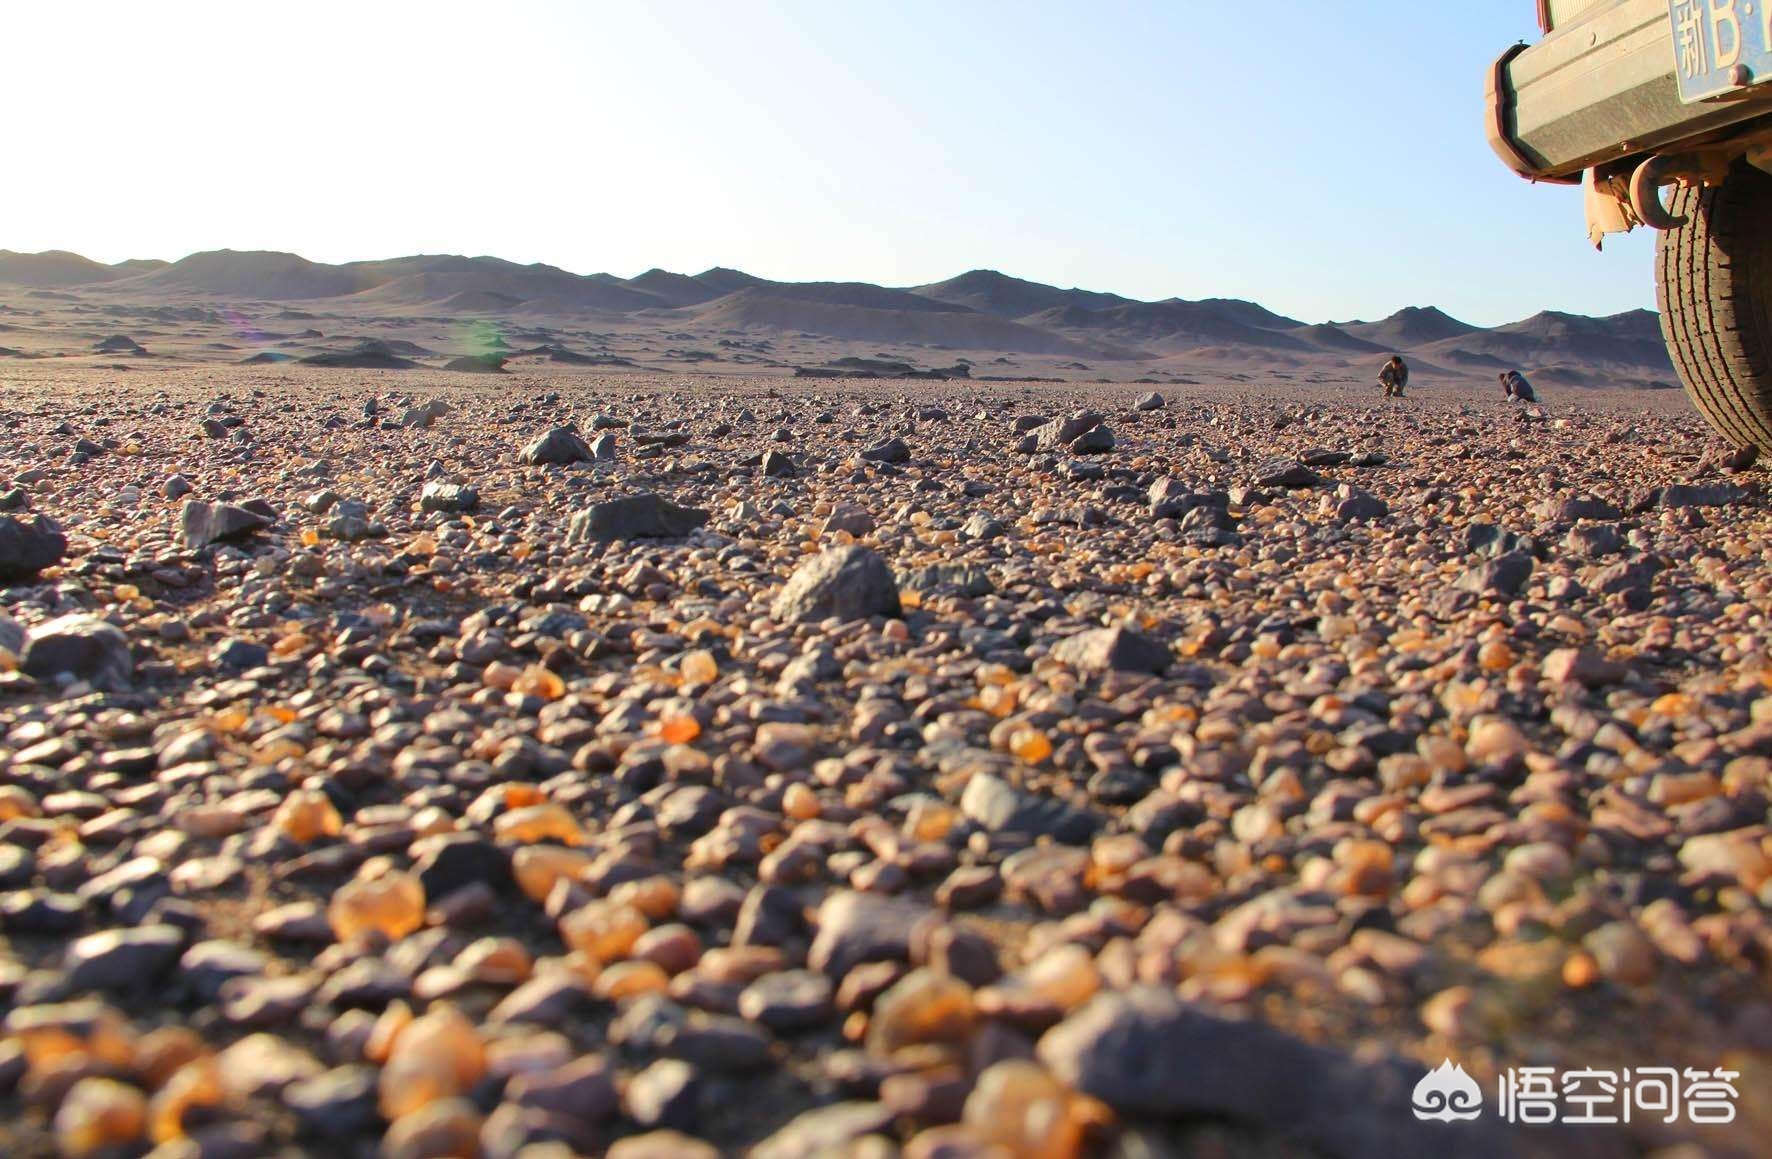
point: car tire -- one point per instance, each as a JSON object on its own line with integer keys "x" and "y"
{"x": 1713, "y": 281}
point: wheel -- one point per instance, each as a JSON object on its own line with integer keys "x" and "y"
{"x": 1713, "y": 281}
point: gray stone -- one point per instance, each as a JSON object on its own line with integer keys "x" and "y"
{"x": 424, "y": 414}
{"x": 546, "y": 999}
{"x": 642, "y": 516}
{"x": 862, "y": 927}
{"x": 512, "y": 1130}
{"x": 1361, "y": 506}
{"x": 663, "y": 1095}
{"x": 12, "y": 636}
{"x": 891, "y": 451}
{"x": 960, "y": 579}
{"x": 1289, "y": 473}
{"x": 1149, "y": 402}
{"x": 778, "y": 466}
{"x": 338, "y": 1104}
{"x": 1118, "y": 649}
{"x": 205, "y": 523}
{"x": 559, "y": 446}
{"x": 1595, "y": 540}
{"x": 448, "y": 498}
{"x": 1701, "y": 495}
{"x": 453, "y": 861}
{"x": 718, "y": 1042}
{"x": 1584, "y": 666}
{"x": 1147, "y": 1055}
{"x": 844, "y": 583}
{"x": 27, "y": 546}
{"x": 207, "y": 966}
{"x": 239, "y": 655}
{"x": 1503, "y": 576}
{"x": 83, "y": 646}
{"x": 122, "y": 959}
{"x": 1097, "y": 440}
{"x": 851, "y": 518}
{"x": 999, "y": 807}
{"x": 1578, "y": 508}
{"x": 788, "y": 1000}
{"x": 982, "y": 527}
{"x": 833, "y": 1130}
{"x": 1060, "y": 435}
{"x": 583, "y": 1089}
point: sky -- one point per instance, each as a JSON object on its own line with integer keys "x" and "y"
{"x": 1325, "y": 159}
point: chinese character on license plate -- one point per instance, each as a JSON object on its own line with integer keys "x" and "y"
{"x": 1720, "y": 45}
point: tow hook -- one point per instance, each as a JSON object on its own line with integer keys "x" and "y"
{"x": 1645, "y": 194}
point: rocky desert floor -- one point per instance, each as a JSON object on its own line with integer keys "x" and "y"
{"x": 409, "y": 764}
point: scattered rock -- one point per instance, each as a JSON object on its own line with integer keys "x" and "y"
{"x": 84, "y": 647}
{"x": 205, "y": 523}
{"x": 560, "y": 446}
{"x": 891, "y": 451}
{"x": 844, "y": 583}
{"x": 1117, "y": 649}
{"x": 27, "y": 546}
{"x": 642, "y": 516}
{"x": 450, "y": 498}
{"x": 1289, "y": 473}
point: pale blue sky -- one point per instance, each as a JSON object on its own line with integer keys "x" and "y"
{"x": 1326, "y": 159}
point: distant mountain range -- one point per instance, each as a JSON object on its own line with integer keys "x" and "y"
{"x": 980, "y": 311}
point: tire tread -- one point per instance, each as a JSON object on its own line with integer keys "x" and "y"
{"x": 1714, "y": 286}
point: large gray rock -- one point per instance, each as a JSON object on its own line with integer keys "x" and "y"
{"x": 27, "y": 546}
{"x": 1095, "y": 441}
{"x": 961, "y": 579}
{"x": 1117, "y": 649}
{"x": 1289, "y": 473}
{"x": 1149, "y": 1056}
{"x": 83, "y": 646}
{"x": 834, "y": 1130}
{"x": 559, "y": 446}
{"x": 891, "y": 451}
{"x": 448, "y": 498}
{"x": 582, "y": 1089}
{"x": 12, "y": 636}
{"x": 122, "y": 959}
{"x": 1701, "y": 494}
{"x": 1001, "y": 808}
{"x": 1063, "y": 435}
{"x": 1577, "y": 508}
{"x": 1503, "y": 576}
{"x": 205, "y": 523}
{"x": 862, "y": 927}
{"x": 843, "y": 583}
{"x": 424, "y": 414}
{"x": 642, "y": 516}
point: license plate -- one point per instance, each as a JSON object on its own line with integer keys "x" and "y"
{"x": 1721, "y": 46}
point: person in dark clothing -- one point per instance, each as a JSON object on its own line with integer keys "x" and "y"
{"x": 1394, "y": 376}
{"x": 1517, "y": 388}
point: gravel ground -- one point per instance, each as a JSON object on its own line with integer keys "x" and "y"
{"x": 802, "y": 768}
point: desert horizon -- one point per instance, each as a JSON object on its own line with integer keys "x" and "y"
{"x": 994, "y": 325}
